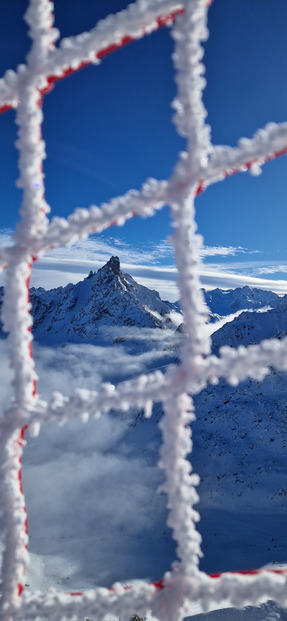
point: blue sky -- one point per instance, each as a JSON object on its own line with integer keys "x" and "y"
{"x": 109, "y": 127}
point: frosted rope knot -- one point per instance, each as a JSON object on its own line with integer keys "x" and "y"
{"x": 201, "y": 165}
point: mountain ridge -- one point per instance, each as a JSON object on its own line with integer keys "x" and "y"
{"x": 222, "y": 302}
{"x": 112, "y": 298}
{"x": 108, "y": 297}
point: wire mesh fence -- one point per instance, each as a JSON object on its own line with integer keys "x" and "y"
{"x": 199, "y": 166}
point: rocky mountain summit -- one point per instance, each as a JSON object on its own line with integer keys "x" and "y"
{"x": 108, "y": 297}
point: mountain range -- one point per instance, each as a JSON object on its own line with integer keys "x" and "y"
{"x": 239, "y": 437}
{"x": 110, "y": 297}
{"x": 225, "y": 302}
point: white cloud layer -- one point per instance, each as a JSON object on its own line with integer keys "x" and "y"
{"x": 91, "y": 489}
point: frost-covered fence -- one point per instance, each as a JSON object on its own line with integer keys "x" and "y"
{"x": 201, "y": 165}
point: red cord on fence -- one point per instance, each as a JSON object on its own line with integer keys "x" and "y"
{"x": 159, "y": 585}
{"x": 24, "y": 429}
{"x": 160, "y": 23}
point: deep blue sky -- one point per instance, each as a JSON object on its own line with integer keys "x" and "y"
{"x": 109, "y": 127}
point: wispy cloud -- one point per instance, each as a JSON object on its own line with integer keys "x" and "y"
{"x": 100, "y": 248}
{"x": 230, "y": 280}
{"x": 223, "y": 251}
{"x": 164, "y": 280}
{"x": 152, "y": 265}
{"x": 273, "y": 269}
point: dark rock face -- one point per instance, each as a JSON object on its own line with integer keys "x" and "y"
{"x": 114, "y": 264}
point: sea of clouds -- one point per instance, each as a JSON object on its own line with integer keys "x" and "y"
{"x": 94, "y": 511}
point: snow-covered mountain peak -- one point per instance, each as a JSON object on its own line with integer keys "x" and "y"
{"x": 106, "y": 298}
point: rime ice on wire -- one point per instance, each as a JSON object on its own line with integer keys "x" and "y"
{"x": 201, "y": 165}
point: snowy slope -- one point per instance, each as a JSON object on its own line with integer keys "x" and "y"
{"x": 238, "y": 423}
{"x": 253, "y": 327}
{"x": 225, "y": 302}
{"x": 240, "y": 450}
